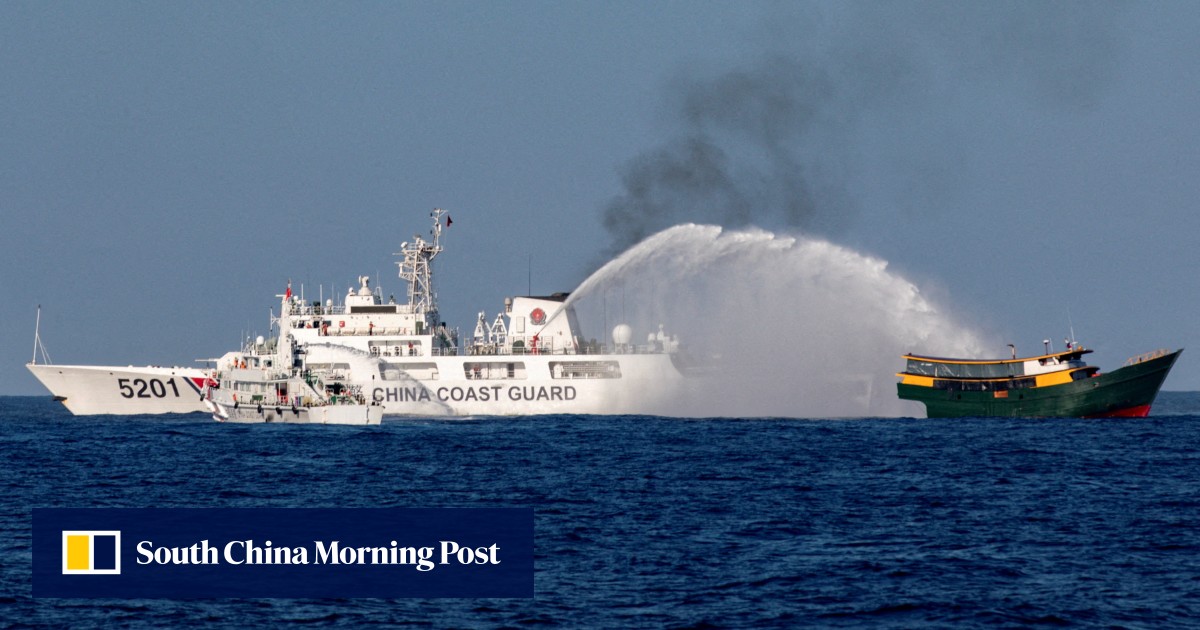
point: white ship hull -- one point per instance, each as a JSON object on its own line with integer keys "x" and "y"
{"x": 645, "y": 387}
{"x": 125, "y": 390}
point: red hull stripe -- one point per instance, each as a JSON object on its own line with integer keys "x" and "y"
{"x": 1140, "y": 411}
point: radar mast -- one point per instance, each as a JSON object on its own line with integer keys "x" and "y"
{"x": 415, "y": 268}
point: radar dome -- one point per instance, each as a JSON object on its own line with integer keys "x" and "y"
{"x": 259, "y": 340}
{"x": 622, "y": 334}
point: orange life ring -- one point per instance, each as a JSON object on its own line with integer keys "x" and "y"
{"x": 342, "y": 324}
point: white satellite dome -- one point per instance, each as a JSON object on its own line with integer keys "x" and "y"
{"x": 622, "y": 334}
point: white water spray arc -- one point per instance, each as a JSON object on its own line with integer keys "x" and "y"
{"x": 790, "y": 325}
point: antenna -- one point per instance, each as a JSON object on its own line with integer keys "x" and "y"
{"x": 416, "y": 267}
{"x": 37, "y": 340}
{"x": 36, "y": 330}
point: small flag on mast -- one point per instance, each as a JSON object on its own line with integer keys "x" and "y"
{"x": 448, "y": 221}
{"x": 288, "y": 294}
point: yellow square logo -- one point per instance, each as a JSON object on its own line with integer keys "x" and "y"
{"x": 91, "y": 552}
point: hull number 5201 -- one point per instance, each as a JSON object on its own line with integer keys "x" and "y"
{"x": 146, "y": 388}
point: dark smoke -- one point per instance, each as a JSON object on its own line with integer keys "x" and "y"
{"x": 775, "y": 143}
{"x": 737, "y": 160}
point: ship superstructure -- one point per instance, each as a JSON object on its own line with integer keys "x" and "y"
{"x": 529, "y": 359}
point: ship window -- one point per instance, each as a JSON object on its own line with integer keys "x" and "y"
{"x": 493, "y": 370}
{"x": 585, "y": 369}
{"x": 387, "y": 308}
{"x": 1024, "y": 383}
{"x": 964, "y": 370}
{"x": 396, "y": 349}
{"x": 1000, "y": 385}
{"x": 418, "y": 371}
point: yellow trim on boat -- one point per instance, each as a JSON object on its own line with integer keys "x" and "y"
{"x": 913, "y": 379}
{"x": 1054, "y": 378}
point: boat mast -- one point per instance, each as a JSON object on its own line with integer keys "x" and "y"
{"x": 37, "y": 340}
{"x": 415, "y": 268}
{"x": 36, "y": 330}
{"x": 1071, "y": 327}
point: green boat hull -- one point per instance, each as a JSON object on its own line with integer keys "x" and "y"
{"x": 1127, "y": 392}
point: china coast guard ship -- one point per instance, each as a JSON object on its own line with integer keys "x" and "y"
{"x": 530, "y": 359}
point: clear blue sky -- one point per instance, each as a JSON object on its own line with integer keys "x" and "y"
{"x": 167, "y": 167}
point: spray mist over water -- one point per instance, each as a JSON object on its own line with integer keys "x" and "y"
{"x": 795, "y": 326}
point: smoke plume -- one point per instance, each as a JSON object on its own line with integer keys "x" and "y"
{"x": 776, "y": 142}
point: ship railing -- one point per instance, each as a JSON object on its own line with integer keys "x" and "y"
{"x": 484, "y": 349}
{"x": 307, "y": 309}
{"x": 1147, "y": 356}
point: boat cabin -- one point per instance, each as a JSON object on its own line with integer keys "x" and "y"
{"x": 997, "y": 374}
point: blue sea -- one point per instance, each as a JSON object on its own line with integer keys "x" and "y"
{"x": 656, "y": 522}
